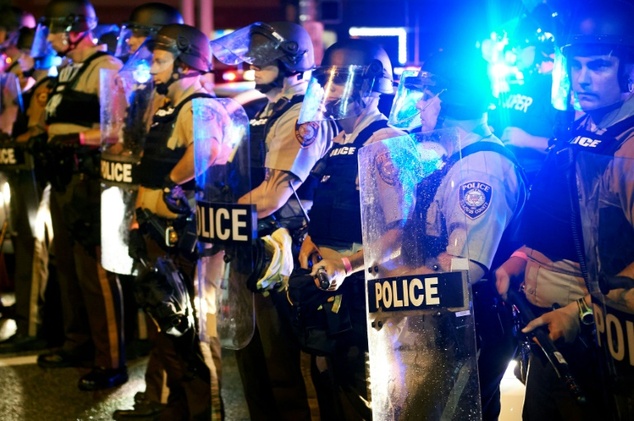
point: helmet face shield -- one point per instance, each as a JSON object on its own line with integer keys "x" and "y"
{"x": 128, "y": 31}
{"x": 335, "y": 93}
{"x": 257, "y": 44}
{"x": 416, "y": 91}
{"x": 41, "y": 47}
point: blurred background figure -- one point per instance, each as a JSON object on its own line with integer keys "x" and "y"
{"x": 524, "y": 118}
{"x": 30, "y": 218}
{"x": 143, "y": 24}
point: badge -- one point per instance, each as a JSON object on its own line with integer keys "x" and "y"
{"x": 306, "y": 133}
{"x": 385, "y": 167}
{"x": 475, "y": 198}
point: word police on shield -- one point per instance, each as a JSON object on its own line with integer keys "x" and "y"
{"x": 14, "y": 158}
{"x": 419, "y": 292}
{"x": 225, "y": 223}
{"x": 8, "y": 156}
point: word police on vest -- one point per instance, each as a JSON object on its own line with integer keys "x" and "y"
{"x": 226, "y": 223}
{"x": 424, "y": 292}
{"x": 116, "y": 171}
{"x": 346, "y": 150}
{"x": 615, "y": 331}
{"x": 588, "y": 142}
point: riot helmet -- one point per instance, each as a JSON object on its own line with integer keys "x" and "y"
{"x": 532, "y": 41}
{"x": 24, "y": 64}
{"x": 460, "y": 78}
{"x": 372, "y": 57}
{"x": 189, "y": 46}
{"x": 66, "y": 17}
{"x": 285, "y": 44}
{"x": 10, "y": 22}
{"x": 352, "y": 71}
{"x": 602, "y": 27}
{"x": 69, "y": 16}
{"x": 145, "y": 21}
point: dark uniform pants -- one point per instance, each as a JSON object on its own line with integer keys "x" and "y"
{"x": 84, "y": 284}
{"x": 547, "y": 396}
{"x": 188, "y": 365}
{"x": 270, "y": 366}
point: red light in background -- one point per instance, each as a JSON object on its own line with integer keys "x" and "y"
{"x": 229, "y": 76}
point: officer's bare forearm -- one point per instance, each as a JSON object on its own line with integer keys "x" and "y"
{"x": 183, "y": 171}
{"x": 272, "y": 194}
{"x": 92, "y": 137}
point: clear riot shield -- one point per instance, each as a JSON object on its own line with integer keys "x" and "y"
{"x": 226, "y": 229}
{"x": 126, "y": 107}
{"x": 606, "y": 185}
{"x": 421, "y": 331}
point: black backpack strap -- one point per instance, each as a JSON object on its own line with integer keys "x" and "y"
{"x": 620, "y": 131}
{"x": 366, "y": 133}
{"x": 488, "y": 147}
{"x": 177, "y": 109}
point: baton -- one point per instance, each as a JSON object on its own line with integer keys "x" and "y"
{"x": 554, "y": 357}
{"x": 322, "y": 277}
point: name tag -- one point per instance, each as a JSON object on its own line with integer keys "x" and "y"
{"x": 417, "y": 292}
{"x": 225, "y": 223}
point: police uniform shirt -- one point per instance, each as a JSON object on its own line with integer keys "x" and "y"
{"x": 8, "y": 102}
{"x": 618, "y": 185}
{"x": 88, "y": 83}
{"x": 477, "y": 199}
{"x": 292, "y": 147}
{"x": 182, "y": 136}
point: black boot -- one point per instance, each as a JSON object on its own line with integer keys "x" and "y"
{"x": 144, "y": 409}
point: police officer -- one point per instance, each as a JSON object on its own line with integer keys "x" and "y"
{"x": 598, "y": 49}
{"x": 334, "y": 232}
{"x": 283, "y": 151}
{"x": 181, "y": 56}
{"x": 144, "y": 22}
{"x": 91, "y": 297}
{"x": 10, "y": 24}
{"x": 524, "y": 118}
{"x": 458, "y": 100}
{"x": 27, "y": 188}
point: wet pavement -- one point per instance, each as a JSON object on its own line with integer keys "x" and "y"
{"x": 29, "y": 393}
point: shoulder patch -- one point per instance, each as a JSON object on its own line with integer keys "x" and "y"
{"x": 475, "y": 198}
{"x": 306, "y": 133}
{"x": 385, "y": 167}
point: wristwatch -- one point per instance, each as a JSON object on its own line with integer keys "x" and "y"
{"x": 586, "y": 315}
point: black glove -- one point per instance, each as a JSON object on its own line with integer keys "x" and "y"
{"x": 174, "y": 197}
{"x": 71, "y": 140}
{"x": 136, "y": 245}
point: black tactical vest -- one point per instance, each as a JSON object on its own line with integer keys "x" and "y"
{"x": 158, "y": 160}
{"x": 550, "y": 222}
{"x": 258, "y": 130}
{"x": 76, "y": 107}
{"x": 335, "y": 218}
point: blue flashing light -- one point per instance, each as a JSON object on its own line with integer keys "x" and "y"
{"x": 141, "y": 72}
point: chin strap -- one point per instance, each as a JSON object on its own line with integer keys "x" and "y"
{"x": 72, "y": 45}
{"x": 161, "y": 88}
{"x": 279, "y": 80}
